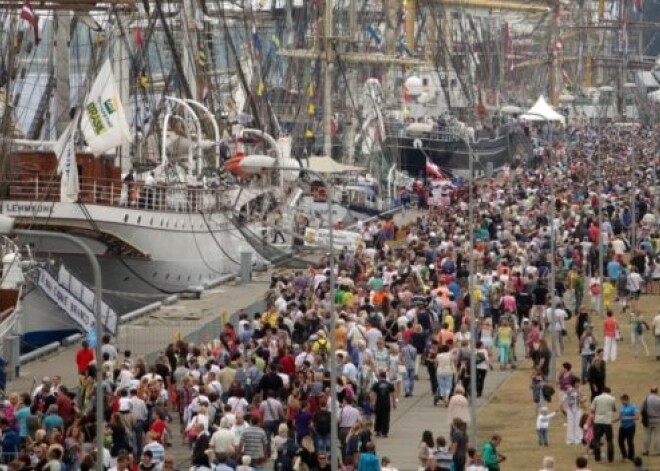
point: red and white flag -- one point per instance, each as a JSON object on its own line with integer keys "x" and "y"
{"x": 432, "y": 169}
{"x": 28, "y": 14}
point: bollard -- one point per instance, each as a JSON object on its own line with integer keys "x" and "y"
{"x": 246, "y": 267}
{"x": 12, "y": 355}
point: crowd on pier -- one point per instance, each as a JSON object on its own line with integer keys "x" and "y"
{"x": 579, "y": 216}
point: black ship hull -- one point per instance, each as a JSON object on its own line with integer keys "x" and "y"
{"x": 450, "y": 154}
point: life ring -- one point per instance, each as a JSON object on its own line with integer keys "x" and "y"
{"x": 320, "y": 194}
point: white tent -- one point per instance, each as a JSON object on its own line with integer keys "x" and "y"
{"x": 325, "y": 164}
{"x": 542, "y": 111}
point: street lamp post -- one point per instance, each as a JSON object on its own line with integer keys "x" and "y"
{"x": 7, "y": 228}
{"x": 473, "y": 321}
{"x": 334, "y": 448}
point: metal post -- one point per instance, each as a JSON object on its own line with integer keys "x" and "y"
{"x": 553, "y": 267}
{"x": 633, "y": 204}
{"x": 601, "y": 268}
{"x": 474, "y": 436}
{"x": 334, "y": 441}
{"x": 327, "y": 81}
{"x": 96, "y": 273}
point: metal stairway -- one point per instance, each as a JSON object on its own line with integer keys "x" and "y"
{"x": 261, "y": 246}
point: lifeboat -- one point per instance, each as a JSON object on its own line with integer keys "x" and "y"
{"x": 255, "y": 163}
{"x": 233, "y": 165}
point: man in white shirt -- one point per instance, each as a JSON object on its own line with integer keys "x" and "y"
{"x": 634, "y": 286}
{"x": 222, "y": 440}
{"x": 559, "y": 323}
{"x": 238, "y": 428}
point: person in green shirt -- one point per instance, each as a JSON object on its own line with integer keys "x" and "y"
{"x": 489, "y": 455}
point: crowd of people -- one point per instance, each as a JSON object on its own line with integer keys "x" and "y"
{"x": 259, "y": 394}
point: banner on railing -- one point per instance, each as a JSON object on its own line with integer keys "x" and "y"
{"x": 69, "y": 297}
{"x": 340, "y": 239}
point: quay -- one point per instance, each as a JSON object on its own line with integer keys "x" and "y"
{"x": 198, "y": 319}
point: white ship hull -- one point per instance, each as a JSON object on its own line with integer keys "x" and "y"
{"x": 140, "y": 250}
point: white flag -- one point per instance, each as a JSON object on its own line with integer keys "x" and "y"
{"x": 104, "y": 122}
{"x": 66, "y": 164}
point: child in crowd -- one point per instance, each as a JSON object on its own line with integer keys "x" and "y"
{"x": 542, "y": 424}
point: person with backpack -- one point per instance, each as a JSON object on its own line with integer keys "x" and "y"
{"x": 321, "y": 346}
{"x": 637, "y": 326}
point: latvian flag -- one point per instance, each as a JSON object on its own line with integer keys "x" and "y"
{"x": 28, "y": 14}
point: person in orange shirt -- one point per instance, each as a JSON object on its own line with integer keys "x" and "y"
{"x": 380, "y": 296}
{"x": 611, "y": 332}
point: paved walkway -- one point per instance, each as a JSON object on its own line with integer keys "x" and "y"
{"x": 152, "y": 333}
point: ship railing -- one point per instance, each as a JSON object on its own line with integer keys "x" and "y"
{"x": 177, "y": 197}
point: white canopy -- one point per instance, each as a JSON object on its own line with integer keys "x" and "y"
{"x": 325, "y": 164}
{"x": 542, "y": 111}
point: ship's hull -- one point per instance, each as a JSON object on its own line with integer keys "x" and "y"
{"x": 141, "y": 252}
{"x": 411, "y": 152}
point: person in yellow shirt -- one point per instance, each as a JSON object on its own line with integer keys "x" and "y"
{"x": 321, "y": 345}
{"x": 448, "y": 319}
{"x": 349, "y": 298}
{"x": 270, "y": 318}
{"x": 341, "y": 334}
{"x": 608, "y": 293}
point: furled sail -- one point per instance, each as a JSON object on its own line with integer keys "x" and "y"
{"x": 67, "y": 166}
{"x": 104, "y": 122}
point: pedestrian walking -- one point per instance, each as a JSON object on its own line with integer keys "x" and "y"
{"x": 459, "y": 440}
{"x": 489, "y": 454}
{"x": 637, "y": 327}
{"x": 383, "y": 398}
{"x": 650, "y": 414}
{"x": 572, "y": 408}
{"x": 603, "y": 408}
{"x": 612, "y": 335}
{"x": 655, "y": 329}
{"x": 628, "y": 415}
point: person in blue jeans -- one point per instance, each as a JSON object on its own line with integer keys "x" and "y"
{"x": 409, "y": 355}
